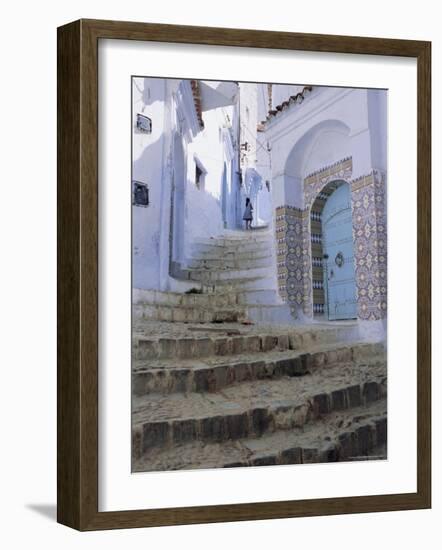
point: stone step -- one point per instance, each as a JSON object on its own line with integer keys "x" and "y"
{"x": 242, "y": 247}
{"x": 214, "y": 276}
{"x": 268, "y": 313}
{"x": 233, "y": 254}
{"x": 190, "y": 314}
{"x": 252, "y": 409}
{"x": 214, "y": 373}
{"x": 257, "y": 296}
{"x": 337, "y": 437}
{"x": 194, "y": 299}
{"x": 205, "y": 345}
{"x": 236, "y": 285}
{"x": 229, "y": 264}
{"x": 225, "y": 240}
{"x": 223, "y": 305}
{"x": 246, "y": 244}
{"x": 236, "y": 339}
{"x": 144, "y": 300}
{"x": 241, "y": 231}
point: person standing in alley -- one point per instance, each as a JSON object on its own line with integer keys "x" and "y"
{"x": 248, "y": 216}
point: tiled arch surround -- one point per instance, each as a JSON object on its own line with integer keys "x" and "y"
{"x": 293, "y": 238}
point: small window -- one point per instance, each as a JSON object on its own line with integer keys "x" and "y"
{"x": 140, "y": 194}
{"x": 144, "y": 124}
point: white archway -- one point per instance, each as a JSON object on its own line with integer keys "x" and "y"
{"x": 321, "y": 145}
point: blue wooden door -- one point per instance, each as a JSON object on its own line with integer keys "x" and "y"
{"x": 337, "y": 243}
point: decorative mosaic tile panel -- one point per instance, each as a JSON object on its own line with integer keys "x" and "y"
{"x": 370, "y": 242}
{"x": 290, "y": 238}
{"x": 307, "y": 304}
{"x": 315, "y": 182}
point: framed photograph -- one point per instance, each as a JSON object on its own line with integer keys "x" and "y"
{"x": 243, "y": 274}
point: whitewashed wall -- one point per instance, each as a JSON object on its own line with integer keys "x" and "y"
{"x": 203, "y": 213}
{"x": 148, "y": 99}
{"x": 282, "y": 92}
{"x": 331, "y": 123}
{"x": 256, "y": 158}
{"x": 165, "y": 160}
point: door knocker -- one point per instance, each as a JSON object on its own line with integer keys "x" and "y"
{"x": 339, "y": 260}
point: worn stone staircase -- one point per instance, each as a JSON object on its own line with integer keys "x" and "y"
{"x": 210, "y": 391}
{"x": 232, "y": 280}
{"x": 254, "y": 396}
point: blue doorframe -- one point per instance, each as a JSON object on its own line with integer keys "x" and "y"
{"x": 339, "y": 269}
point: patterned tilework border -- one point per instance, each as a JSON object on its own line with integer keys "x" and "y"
{"x": 370, "y": 243}
{"x": 313, "y": 185}
{"x": 291, "y": 256}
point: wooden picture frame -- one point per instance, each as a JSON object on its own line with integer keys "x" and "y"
{"x": 78, "y": 274}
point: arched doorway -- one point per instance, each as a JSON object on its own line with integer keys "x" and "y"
{"x": 333, "y": 281}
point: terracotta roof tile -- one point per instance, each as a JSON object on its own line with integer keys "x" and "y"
{"x": 197, "y": 101}
{"x": 293, "y": 100}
